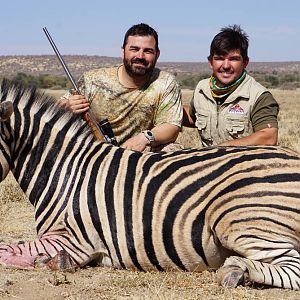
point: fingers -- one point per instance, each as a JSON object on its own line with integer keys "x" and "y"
{"x": 78, "y": 107}
{"x": 78, "y": 104}
{"x": 137, "y": 143}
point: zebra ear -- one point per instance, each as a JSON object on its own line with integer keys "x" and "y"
{"x": 6, "y": 110}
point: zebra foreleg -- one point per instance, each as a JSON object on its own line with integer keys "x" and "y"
{"x": 283, "y": 272}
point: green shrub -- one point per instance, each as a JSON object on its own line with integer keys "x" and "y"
{"x": 43, "y": 81}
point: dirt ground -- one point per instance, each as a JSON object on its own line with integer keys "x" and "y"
{"x": 17, "y": 224}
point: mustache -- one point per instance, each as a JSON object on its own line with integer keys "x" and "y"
{"x": 139, "y": 60}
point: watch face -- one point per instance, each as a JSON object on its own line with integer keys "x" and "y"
{"x": 149, "y": 135}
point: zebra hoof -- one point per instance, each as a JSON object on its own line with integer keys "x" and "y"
{"x": 230, "y": 276}
{"x": 60, "y": 262}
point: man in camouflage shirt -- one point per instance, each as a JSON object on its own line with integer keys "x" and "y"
{"x": 142, "y": 103}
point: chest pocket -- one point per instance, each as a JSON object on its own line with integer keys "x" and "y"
{"x": 204, "y": 125}
{"x": 236, "y": 126}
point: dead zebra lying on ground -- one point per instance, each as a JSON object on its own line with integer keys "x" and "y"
{"x": 189, "y": 210}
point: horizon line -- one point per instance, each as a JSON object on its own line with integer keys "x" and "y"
{"x": 164, "y": 61}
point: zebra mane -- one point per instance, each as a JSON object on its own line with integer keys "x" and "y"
{"x": 32, "y": 99}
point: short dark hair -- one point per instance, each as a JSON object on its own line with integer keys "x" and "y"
{"x": 141, "y": 30}
{"x": 230, "y": 38}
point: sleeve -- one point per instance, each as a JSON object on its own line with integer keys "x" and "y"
{"x": 169, "y": 108}
{"x": 66, "y": 95}
{"x": 264, "y": 113}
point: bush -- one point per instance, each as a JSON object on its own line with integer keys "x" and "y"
{"x": 43, "y": 81}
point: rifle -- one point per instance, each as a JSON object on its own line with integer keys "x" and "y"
{"x": 103, "y": 132}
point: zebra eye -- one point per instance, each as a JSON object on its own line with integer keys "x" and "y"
{"x": 6, "y": 110}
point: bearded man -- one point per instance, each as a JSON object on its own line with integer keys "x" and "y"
{"x": 142, "y": 103}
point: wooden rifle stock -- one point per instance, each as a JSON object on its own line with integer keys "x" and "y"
{"x": 90, "y": 119}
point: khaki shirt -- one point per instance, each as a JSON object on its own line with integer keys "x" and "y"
{"x": 131, "y": 110}
{"x": 247, "y": 109}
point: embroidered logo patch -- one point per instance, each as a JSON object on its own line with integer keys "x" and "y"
{"x": 235, "y": 109}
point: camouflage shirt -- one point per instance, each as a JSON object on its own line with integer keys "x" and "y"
{"x": 131, "y": 110}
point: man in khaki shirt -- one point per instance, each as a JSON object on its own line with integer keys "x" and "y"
{"x": 230, "y": 108}
{"x": 142, "y": 103}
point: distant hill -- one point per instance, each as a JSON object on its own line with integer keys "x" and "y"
{"x": 48, "y": 64}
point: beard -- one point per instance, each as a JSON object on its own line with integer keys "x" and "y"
{"x": 137, "y": 70}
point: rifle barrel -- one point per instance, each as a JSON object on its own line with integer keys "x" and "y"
{"x": 61, "y": 60}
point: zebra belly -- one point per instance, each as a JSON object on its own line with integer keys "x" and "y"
{"x": 175, "y": 251}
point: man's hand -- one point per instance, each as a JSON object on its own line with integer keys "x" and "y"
{"x": 187, "y": 120}
{"x": 137, "y": 143}
{"x": 266, "y": 136}
{"x": 75, "y": 103}
{"x": 163, "y": 134}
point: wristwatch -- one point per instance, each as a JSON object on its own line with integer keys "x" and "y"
{"x": 149, "y": 135}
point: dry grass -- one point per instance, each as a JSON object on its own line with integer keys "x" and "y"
{"x": 17, "y": 223}
{"x": 289, "y": 120}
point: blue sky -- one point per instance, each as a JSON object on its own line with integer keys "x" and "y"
{"x": 185, "y": 28}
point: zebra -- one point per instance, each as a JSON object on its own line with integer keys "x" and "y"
{"x": 235, "y": 210}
